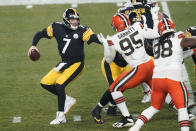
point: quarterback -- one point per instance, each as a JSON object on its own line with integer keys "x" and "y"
{"x": 70, "y": 37}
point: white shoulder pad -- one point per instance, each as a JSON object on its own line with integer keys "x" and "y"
{"x": 179, "y": 34}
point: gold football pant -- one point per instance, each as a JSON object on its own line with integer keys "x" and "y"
{"x": 55, "y": 81}
{"x": 112, "y": 71}
{"x": 65, "y": 77}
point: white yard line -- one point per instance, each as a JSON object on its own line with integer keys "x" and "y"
{"x": 166, "y": 9}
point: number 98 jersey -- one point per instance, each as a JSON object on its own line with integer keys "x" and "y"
{"x": 70, "y": 42}
{"x": 130, "y": 44}
{"x": 168, "y": 57}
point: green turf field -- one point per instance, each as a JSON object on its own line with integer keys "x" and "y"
{"x": 21, "y": 94}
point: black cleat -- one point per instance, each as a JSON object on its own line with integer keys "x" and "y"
{"x": 112, "y": 111}
{"x": 125, "y": 122}
{"x": 96, "y": 115}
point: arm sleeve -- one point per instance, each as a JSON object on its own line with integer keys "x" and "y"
{"x": 149, "y": 33}
{"x": 39, "y": 35}
{"x": 109, "y": 53}
{"x": 187, "y": 53}
{"x": 89, "y": 36}
{"x": 93, "y": 38}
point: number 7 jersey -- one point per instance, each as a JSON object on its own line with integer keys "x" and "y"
{"x": 70, "y": 42}
{"x": 130, "y": 44}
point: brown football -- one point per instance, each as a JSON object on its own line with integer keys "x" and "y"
{"x": 34, "y": 55}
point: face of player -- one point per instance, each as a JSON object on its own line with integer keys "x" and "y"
{"x": 74, "y": 22}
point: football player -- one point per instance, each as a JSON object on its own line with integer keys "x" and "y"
{"x": 191, "y": 31}
{"x": 143, "y": 7}
{"x": 130, "y": 44}
{"x": 112, "y": 70}
{"x": 167, "y": 74}
{"x": 70, "y": 37}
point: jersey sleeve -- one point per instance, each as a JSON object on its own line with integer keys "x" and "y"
{"x": 87, "y": 34}
{"x": 109, "y": 51}
{"x": 50, "y": 30}
{"x": 187, "y": 53}
{"x": 180, "y": 35}
{"x": 39, "y": 35}
{"x": 147, "y": 32}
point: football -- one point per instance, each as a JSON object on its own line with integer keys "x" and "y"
{"x": 34, "y": 55}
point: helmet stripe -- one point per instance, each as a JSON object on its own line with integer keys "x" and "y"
{"x": 127, "y": 20}
{"x": 124, "y": 19}
{"x": 74, "y": 11}
{"x": 138, "y": 16}
{"x": 166, "y": 24}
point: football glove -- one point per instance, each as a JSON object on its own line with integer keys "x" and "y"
{"x": 102, "y": 39}
{"x": 154, "y": 12}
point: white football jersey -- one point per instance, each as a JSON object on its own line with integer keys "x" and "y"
{"x": 130, "y": 44}
{"x": 168, "y": 57}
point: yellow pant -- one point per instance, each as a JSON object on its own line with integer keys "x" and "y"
{"x": 65, "y": 77}
{"x": 112, "y": 71}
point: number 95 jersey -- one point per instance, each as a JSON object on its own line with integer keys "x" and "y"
{"x": 130, "y": 44}
{"x": 168, "y": 57}
{"x": 70, "y": 42}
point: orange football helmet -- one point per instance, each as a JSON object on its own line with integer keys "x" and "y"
{"x": 165, "y": 26}
{"x": 120, "y": 22}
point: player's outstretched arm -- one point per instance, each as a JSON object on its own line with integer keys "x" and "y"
{"x": 93, "y": 38}
{"x": 188, "y": 42}
{"x": 109, "y": 51}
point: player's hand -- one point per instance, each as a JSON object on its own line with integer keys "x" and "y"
{"x": 31, "y": 48}
{"x": 102, "y": 39}
{"x": 154, "y": 12}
